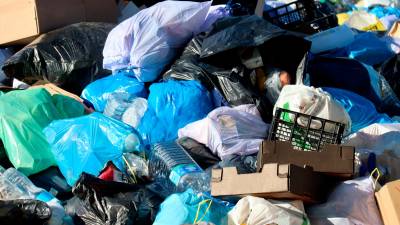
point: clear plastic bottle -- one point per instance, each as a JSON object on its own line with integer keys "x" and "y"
{"x": 117, "y": 104}
{"x": 18, "y": 186}
{"x": 170, "y": 164}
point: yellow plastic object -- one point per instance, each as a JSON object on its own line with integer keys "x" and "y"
{"x": 375, "y": 27}
{"x": 342, "y": 18}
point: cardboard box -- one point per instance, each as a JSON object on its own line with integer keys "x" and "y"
{"x": 275, "y": 181}
{"x": 21, "y": 21}
{"x": 388, "y": 198}
{"x": 334, "y": 160}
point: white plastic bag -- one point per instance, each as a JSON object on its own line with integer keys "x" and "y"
{"x": 149, "y": 40}
{"x": 227, "y": 131}
{"x": 352, "y": 202}
{"x": 258, "y": 211}
{"x": 376, "y": 137}
{"x": 315, "y": 102}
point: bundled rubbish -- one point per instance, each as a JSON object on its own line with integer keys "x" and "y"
{"x": 87, "y": 143}
{"x": 149, "y": 40}
{"x": 171, "y": 106}
{"x": 69, "y": 57}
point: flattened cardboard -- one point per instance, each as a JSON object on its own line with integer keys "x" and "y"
{"x": 334, "y": 160}
{"x": 21, "y": 21}
{"x": 388, "y": 198}
{"x": 275, "y": 181}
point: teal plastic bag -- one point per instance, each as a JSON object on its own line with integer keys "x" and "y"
{"x": 87, "y": 143}
{"x": 189, "y": 208}
{"x": 23, "y": 115}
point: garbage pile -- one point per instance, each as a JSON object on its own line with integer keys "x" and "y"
{"x": 200, "y": 112}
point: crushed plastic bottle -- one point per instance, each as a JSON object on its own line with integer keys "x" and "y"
{"x": 15, "y": 185}
{"x": 125, "y": 107}
{"x": 174, "y": 170}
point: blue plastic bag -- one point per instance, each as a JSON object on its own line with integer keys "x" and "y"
{"x": 380, "y": 11}
{"x": 171, "y": 106}
{"x": 369, "y": 49}
{"x": 123, "y": 81}
{"x": 87, "y": 143}
{"x": 189, "y": 208}
{"x": 361, "y": 111}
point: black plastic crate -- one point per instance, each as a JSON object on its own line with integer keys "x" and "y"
{"x": 306, "y": 16}
{"x": 305, "y": 132}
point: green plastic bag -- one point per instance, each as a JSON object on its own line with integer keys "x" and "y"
{"x": 23, "y": 115}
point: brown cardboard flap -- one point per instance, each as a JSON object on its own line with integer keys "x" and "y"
{"x": 280, "y": 181}
{"x": 388, "y": 198}
{"x": 333, "y": 159}
{"x": 23, "y": 20}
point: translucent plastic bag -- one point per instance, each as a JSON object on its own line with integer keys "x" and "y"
{"x": 23, "y": 115}
{"x": 171, "y": 106}
{"x": 149, "y": 40}
{"x": 98, "y": 92}
{"x": 87, "y": 143}
{"x": 352, "y": 202}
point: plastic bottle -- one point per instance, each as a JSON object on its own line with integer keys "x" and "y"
{"x": 19, "y": 183}
{"x": 170, "y": 163}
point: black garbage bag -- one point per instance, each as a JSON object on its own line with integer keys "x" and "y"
{"x": 215, "y": 59}
{"x": 199, "y": 152}
{"x": 112, "y": 203}
{"x": 391, "y": 71}
{"x": 23, "y": 212}
{"x": 70, "y": 57}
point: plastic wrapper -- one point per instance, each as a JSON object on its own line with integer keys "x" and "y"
{"x": 148, "y": 41}
{"x": 228, "y": 131}
{"x": 23, "y": 115}
{"x": 121, "y": 82}
{"x": 214, "y": 59}
{"x": 136, "y": 167}
{"x": 87, "y": 143}
{"x": 113, "y": 203}
{"x": 190, "y": 208}
{"x": 199, "y": 152}
{"x": 24, "y": 211}
{"x": 171, "y": 106}
{"x": 391, "y": 71}
{"x": 258, "y": 211}
{"x": 361, "y": 111}
{"x": 69, "y": 57}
